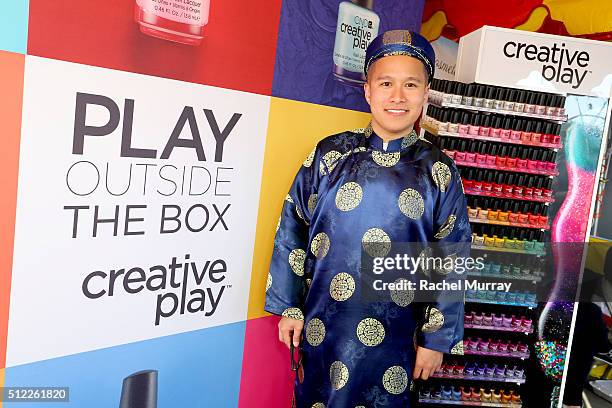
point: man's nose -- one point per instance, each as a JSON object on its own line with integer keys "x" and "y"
{"x": 398, "y": 95}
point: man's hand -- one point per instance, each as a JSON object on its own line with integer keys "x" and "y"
{"x": 427, "y": 362}
{"x": 290, "y": 330}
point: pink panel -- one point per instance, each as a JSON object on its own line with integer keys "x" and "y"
{"x": 267, "y": 379}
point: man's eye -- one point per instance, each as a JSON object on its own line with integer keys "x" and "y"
{"x": 411, "y": 85}
{"x": 386, "y": 83}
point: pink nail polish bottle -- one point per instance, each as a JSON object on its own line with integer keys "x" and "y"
{"x": 174, "y": 20}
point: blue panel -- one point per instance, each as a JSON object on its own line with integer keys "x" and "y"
{"x": 196, "y": 369}
{"x": 14, "y": 26}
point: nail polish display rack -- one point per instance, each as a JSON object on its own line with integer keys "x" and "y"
{"x": 504, "y": 142}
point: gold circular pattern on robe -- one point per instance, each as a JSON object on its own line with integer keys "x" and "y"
{"x": 278, "y": 224}
{"x": 318, "y": 405}
{"x": 370, "y": 332}
{"x": 441, "y": 175}
{"x": 296, "y": 261}
{"x": 269, "y": 282}
{"x": 308, "y": 283}
{"x": 338, "y": 375}
{"x": 349, "y": 196}
{"x": 315, "y": 332}
{"x": 330, "y": 159}
{"x": 312, "y": 203}
{"x": 294, "y": 313}
{"x": 409, "y": 139}
{"x": 299, "y": 213}
{"x": 385, "y": 159}
{"x": 359, "y": 150}
{"x": 376, "y": 242}
{"x": 447, "y": 267}
{"x": 288, "y": 198}
{"x": 458, "y": 348}
{"x": 342, "y": 287}
{"x": 320, "y": 245}
{"x": 435, "y": 321}
{"x": 395, "y": 380}
{"x": 447, "y": 227}
{"x": 411, "y": 203}
{"x": 310, "y": 158}
{"x": 402, "y": 297}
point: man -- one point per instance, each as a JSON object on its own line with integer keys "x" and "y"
{"x": 378, "y": 185}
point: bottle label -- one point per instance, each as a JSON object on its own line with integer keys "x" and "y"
{"x": 194, "y": 12}
{"x": 356, "y": 28}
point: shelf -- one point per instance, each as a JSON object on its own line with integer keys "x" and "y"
{"x": 499, "y": 328}
{"x": 469, "y": 403}
{"x": 513, "y": 169}
{"x": 535, "y": 278}
{"x": 558, "y": 119}
{"x": 479, "y": 378}
{"x": 530, "y": 305}
{"x": 433, "y": 130}
{"x": 508, "y": 224}
{"x": 522, "y": 356}
{"x": 545, "y": 200}
{"x": 508, "y": 250}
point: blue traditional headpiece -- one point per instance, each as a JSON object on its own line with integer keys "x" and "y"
{"x": 401, "y": 42}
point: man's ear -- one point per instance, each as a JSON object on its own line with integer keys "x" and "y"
{"x": 366, "y": 91}
{"x": 426, "y": 96}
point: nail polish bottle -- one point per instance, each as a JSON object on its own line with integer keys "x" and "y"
{"x": 467, "y": 95}
{"x": 491, "y": 156}
{"x": 516, "y": 132}
{"x": 503, "y": 214}
{"x": 442, "y": 124}
{"x": 556, "y": 134}
{"x": 506, "y": 128}
{"x": 541, "y": 104}
{"x": 532, "y": 163}
{"x": 498, "y": 187}
{"x": 537, "y": 133}
{"x": 357, "y": 26}
{"x": 538, "y": 191}
{"x": 489, "y": 101}
{"x": 519, "y": 105}
{"x": 483, "y": 214}
{"x": 167, "y": 23}
{"x": 496, "y": 126}
{"x": 518, "y": 189}
{"x": 547, "y": 190}
{"x": 473, "y": 211}
{"x": 509, "y": 102}
{"x": 489, "y": 241}
{"x": 458, "y": 93}
{"x": 534, "y": 218}
{"x": 536, "y": 137}
{"x": 551, "y": 108}
{"x": 474, "y": 127}
{"x": 500, "y": 97}
{"x": 527, "y": 134}
{"x": 460, "y": 154}
{"x": 511, "y": 161}
{"x": 453, "y": 126}
{"x": 560, "y": 106}
{"x": 500, "y": 161}
{"x": 479, "y": 96}
{"x": 523, "y": 217}
{"x": 470, "y": 155}
{"x": 485, "y": 127}
{"x": 493, "y": 212}
{"x": 551, "y": 164}
{"x": 447, "y": 94}
{"x": 529, "y": 242}
{"x": 463, "y": 124}
{"x": 513, "y": 216}
{"x": 478, "y": 183}
{"x": 508, "y": 190}
{"x": 530, "y": 105}
{"x": 481, "y": 156}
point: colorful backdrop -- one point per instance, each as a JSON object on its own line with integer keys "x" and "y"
{"x": 142, "y": 180}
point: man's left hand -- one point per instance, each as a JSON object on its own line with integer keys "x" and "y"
{"x": 427, "y": 362}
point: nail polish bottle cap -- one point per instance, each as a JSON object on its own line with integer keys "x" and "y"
{"x": 552, "y": 156}
{"x": 532, "y": 154}
{"x": 561, "y": 101}
{"x": 463, "y": 145}
{"x": 465, "y": 118}
{"x": 531, "y": 235}
{"x": 481, "y": 91}
{"x": 510, "y": 179}
{"x": 456, "y": 117}
{"x": 539, "y": 183}
{"x": 491, "y": 92}
{"x": 368, "y": 4}
{"x": 487, "y": 121}
{"x": 511, "y": 95}
{"x": 472, "y": 146}
{"x": 520, "y": 96}
{"x": 507, "y": 123}
{"x": 459, "y": 88}
{"x": 537, "y": 209}
{"x": 531, "y": 100}
{"x": 475, "y": 203}
{"x": 483, "y": 148}
{"x": 493, "y": 150}
{"x": 513, "y": 152}
{"x": 557, "y": 128}
{"x": 538, "y": 126}
{"x": 504, "y": 151}
{"x": 542, "y": 99}
{"x": 501, "y": 94}
{"x": 489, "y": 177}
{"x": 530, "y": 182}
{"x": 500, "y": 178}
{"x": 525, "y": 209}
{"x": 515, "y": 207}
{"x": 549, "y": 184}
{"x": 469, "y": 90}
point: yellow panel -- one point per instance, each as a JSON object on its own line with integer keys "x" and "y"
{"x": 535, "y": 20}
{"x": 294, "y": 128}
{"x": 432, "y": 28}
{"x": 582, "y": 16}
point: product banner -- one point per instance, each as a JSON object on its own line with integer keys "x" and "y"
{"x": 137, "y": 208}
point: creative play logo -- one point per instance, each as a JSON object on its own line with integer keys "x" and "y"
{"x": 559, "y": 64}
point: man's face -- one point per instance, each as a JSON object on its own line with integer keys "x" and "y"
{"x": 396, "y": 91}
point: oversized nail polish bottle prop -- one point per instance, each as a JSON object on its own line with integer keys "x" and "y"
{"x": 357, "y": 27}
{"x": 173, "y": 20}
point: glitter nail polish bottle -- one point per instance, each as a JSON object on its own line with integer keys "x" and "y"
{"x": 181, "y": 21}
